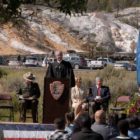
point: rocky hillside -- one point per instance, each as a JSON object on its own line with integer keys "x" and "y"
{"x": 43, "y": 29}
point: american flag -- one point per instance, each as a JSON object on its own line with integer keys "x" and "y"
{"x": 17, "y": 131}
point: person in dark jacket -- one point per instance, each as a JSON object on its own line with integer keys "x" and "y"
{"x": 59, "y": 133}
{"x": 123, "y": 127}
{"x": 28, "y": 96}
{"x": 85, "y": 133}
{"x": 100, "y": 126}
{"x": 99, "y": 96}
{"x": 61, "y": 69}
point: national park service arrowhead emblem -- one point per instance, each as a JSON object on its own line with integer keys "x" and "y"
{"x": 56, "y": 89}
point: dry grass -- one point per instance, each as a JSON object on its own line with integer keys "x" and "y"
{"x": 119, "y": 81}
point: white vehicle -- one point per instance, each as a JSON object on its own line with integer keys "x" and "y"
{"x": 31, "y": 61}
{"x": 14, "y": 63}
{"x": 95, "y": 64}
{"x": 106, "y": 61}
{"x": 47, "y": 60}
{"x": 119, "y": 66}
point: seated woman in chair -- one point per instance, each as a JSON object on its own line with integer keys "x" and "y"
{"x": 78, "y": 96}
{"x": 28, "y": 96}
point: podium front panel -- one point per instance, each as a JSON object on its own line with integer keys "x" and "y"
{"x": 56, "y": 99}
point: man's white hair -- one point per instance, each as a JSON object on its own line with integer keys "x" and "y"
{"x": 98, "y": 79}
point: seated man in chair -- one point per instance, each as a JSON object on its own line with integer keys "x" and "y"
{"x": 99, "y": 96}
{"x": 28, "y": 96}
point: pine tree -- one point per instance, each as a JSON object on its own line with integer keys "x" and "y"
{"x": 10, "y": 9}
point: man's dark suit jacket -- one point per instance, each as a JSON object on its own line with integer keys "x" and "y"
{"x": 104, "y": 93}
{"x": 105, "y": 130}
{"x": 86, "y": 134}
{"x": 61, "y": 70}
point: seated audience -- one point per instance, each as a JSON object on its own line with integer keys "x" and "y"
{"x": 113, "y": 120}
{"x": 59, "y": 133}
{"x": 69, "y": 122}
{"x": 100, "y": 126}
{"x": 76, "y": 125}
{"x": 85, "y": 132}
{"x": 99, "y": 96}
{"x": 134, "y": 128}
{"x": 123, "y": 127}
{"x": 78, "y": 96}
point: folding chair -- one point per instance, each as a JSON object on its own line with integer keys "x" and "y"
{"x": 120, "y": 104}
{"x": 6, "y": 104}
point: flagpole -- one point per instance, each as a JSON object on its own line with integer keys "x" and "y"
{"x": 138, "y": 59}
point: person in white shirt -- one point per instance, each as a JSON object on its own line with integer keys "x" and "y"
{"x": 78, "y": 96}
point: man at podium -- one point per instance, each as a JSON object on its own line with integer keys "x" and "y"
{"x": 57, "y": 83}
{"x": 61, "y": 69}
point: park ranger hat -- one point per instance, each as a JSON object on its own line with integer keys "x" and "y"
{"x": 29, "y": 76}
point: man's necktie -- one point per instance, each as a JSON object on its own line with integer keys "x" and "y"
{"x": 99, "y": 91}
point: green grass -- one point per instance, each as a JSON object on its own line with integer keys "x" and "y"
{"x": 121, "y": 82}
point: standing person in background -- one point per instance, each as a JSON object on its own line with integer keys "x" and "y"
{"x": 24, "y": 59}
{"x": 78, "y": 96}
{"x": 61, "y": 69}
{"x": 99, "y": 96}
{"x": 19, "y": 58}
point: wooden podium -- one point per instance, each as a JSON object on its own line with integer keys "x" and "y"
{"x": 56, "y": 99}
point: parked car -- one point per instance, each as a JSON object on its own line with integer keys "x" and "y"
{"x": 31, "y": 61}
{"x": 106, "y": 61}
{"x": 14, "y": 62}
{"x": 119, "y": 66}
{"x": 126, "y": 66}
{"x": 130, "y": 67}
{"x": 76, "y": 61}
{"x": 95, "y": 64}
{"x": 88, "y": 60}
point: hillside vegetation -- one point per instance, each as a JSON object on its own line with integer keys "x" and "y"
{"x": 27, "y": 28}
{"x": 111, "y": 5}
